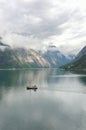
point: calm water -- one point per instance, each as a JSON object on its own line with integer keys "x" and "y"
{"x": 58, "y": 104}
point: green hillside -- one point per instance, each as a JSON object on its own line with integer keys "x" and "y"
{"x": 79, "y": 63}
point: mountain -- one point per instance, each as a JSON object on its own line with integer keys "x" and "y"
{"x": 55, "y": 57}
{"x": 79, "y": 63}
{"x": 29, "y": 58}
{"x": 81, "y": 53}
{"x": 21, "y": 58}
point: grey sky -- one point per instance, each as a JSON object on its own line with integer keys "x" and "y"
{"x": 34, "y": 23}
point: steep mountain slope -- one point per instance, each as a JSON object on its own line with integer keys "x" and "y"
{"x": 21, "y": 58}
{"x": 55, "y": 57}
{"x": 81, "y": 53}
{"x": 79, "y": 63}
{"x": 30, "y": 56}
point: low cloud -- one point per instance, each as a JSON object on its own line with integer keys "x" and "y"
{"x": 32, "y": 23}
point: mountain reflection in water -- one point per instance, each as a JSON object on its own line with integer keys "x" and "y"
{"x": 59, "y": 102}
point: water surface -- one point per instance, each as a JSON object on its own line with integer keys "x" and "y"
{"x": 58, "y": 104}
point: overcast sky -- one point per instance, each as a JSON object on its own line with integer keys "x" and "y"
{"x": 35, "y": 23}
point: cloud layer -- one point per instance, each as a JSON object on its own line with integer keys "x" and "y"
{"x": 34, "y": 23}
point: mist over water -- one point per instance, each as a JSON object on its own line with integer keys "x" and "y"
{"x": 58, "y": 104}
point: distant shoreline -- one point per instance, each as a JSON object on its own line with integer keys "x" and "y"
{"x": 62, "y": 69}
{"x": 25, "y": 68}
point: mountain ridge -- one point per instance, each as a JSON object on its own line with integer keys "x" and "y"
{"x": 21, "y": 58}
{"x": 79, "y": 63}
{"x": 29, "y": 58}
{"x": 55, "y": 57}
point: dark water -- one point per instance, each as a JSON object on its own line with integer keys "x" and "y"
{"x": 58, "y": 104}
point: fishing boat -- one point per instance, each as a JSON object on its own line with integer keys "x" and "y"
{"x": 34, "y": 87}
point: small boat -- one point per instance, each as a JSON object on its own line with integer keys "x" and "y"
{"x": 34, "y": 87}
